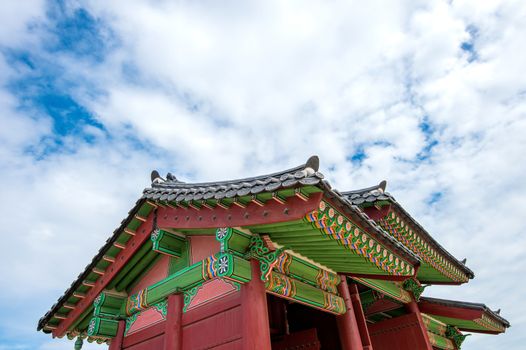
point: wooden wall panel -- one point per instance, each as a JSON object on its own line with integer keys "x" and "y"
{"x": 400, "y": 333}
{"x": 216, "y": 325}
{"x": 149, "y": 344}
{"x": 144, "y": 336}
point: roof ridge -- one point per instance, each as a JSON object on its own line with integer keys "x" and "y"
{"x": 157, "y": 181}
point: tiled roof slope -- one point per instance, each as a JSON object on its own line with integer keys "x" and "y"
{"x": 377, "y": 193}
{"x": 173, "y": 190}
{"x": 87, "y": 270}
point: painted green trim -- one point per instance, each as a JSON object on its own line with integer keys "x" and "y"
{"x": 440, "y": 342}
{"x": 167, "y": 243}
{"x": 267, "y": 258}
{"x": 306, "y": 272}
{"x": 107, "y": 305}
{"x": 391, "y": 289}
{"x": 233, "y": 240}
{"x": 189, "y": 295}
{"x": 292, "y": 289}
{"x": 220, "y": 265}
{"x": 125, "y": 272}
{"x": 130, "y": 321}
{"x": 454, "y": 334}
{"x": 413, "y": 286}
{"x": 102, "y": 327}
{"x": 338, "y": 227}
{"x": 444, "y": 269}
{"x": 433, "y": 325}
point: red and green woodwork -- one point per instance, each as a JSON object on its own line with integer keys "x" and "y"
{"x": 294, "y": 278}
{"x": 442, "y": 336}
{"x": 290, "y": 229}
{"x": 435, "y": 266}
{"x": 108, "y": 308}
{"x": 469, "y": 317}
{"x": 331, "y": 239}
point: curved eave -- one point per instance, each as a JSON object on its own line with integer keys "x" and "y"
{"x": 462, "y": 311}
{"x": 376, "y": 195}
{"x": 356, "y": 214}
{"x": 44, "y": 320}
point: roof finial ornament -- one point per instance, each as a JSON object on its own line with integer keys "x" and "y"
{"x": 171, "y": 177}
{"x": 156, "y": 178}
{"x": 497, "y": 312}
{"x": 382, "y": 185}
{"x": 313, "y": 162}
{"x": 464, "y": 261}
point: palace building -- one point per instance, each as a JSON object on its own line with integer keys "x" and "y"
{"x": 278, "y": 261}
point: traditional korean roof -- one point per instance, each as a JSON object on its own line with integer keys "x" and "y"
{"x": 438, "y": 265}
{"x": 466, "y": 316}
{"x": 243, "y": 191}
{"x": 352, "y": 242}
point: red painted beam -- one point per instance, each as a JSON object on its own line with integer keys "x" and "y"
{"x": 350, "y": 337}
{"x": 173, "y": 335}
{"x": 144, "y": 335}
{"x": 382, "y": 305}
{"x": 142, "y": 234}
{"x": 377, "y": 214}
{"x": 116, "y": 343}
{"x": 253, "y": 214}
{"x": 256, "y": 330}
{"x": 360, "y": 317}
{"x": 449, "y": 311}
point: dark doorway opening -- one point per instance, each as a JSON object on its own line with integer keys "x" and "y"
{"x": 295, "y": 326}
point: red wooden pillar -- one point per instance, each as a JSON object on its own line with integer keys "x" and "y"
{"x": 173, "y": 335}
{"x": 360, "y": 317}
{"x": 116, "y": 343}
{"x": 256, "y": 330}
{"x": 412, "y": 307}
{"x": 347, "y": 325}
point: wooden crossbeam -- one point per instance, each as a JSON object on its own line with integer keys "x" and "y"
{"x": 152, "y": 203}
{"x": 301, "y": 195}
{"x": 79, "y": 295}
{"x": 88, "y": 284}
{"x": 278, "y": 198}
{"x": 130, "y": 232}
{"x": 222, "y": 205}
{"x": 256, "y": 201}
{"x": 239, "y": 204}
{"x": 119, "y": 245}
{"x": 98, "y": 271}
{"x": 206, "y": 205}
{"x": 193, "y": 206}
{"x": 140, "y": 218}
{"x": 108, "y": 258}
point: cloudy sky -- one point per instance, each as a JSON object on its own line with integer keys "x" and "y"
{"x": 429, "y": 95}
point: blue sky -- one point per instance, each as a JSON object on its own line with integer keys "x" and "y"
{"x": 429, "y": 95}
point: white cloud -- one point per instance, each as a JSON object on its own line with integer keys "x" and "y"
{"x": 226, "y": 91}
